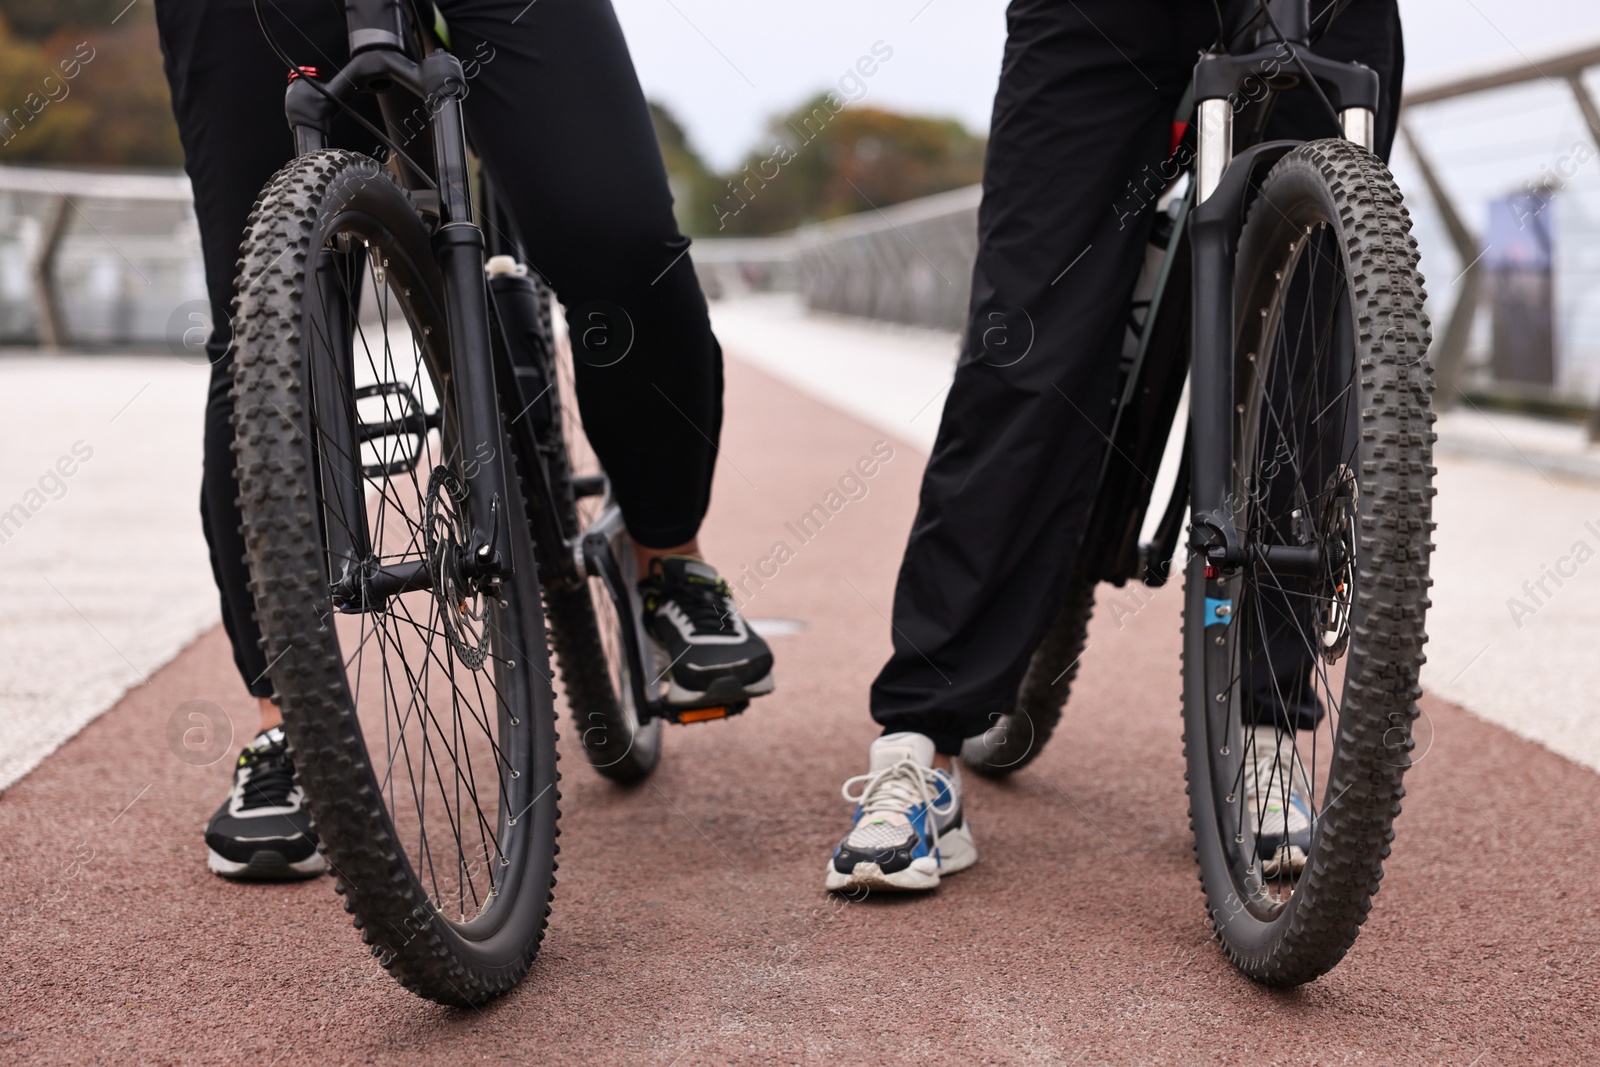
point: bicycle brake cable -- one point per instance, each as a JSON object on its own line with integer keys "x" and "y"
{"x": 284, "y": 58}
{"x": 1304, "y": 73}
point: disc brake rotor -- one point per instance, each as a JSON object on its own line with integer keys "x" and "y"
{"x": 463, "y": 612}
{"x": 1336, "y": 529}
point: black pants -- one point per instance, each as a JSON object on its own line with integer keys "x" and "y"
{"x": 1082, "y": 118}
{"x": 556, "y": 110}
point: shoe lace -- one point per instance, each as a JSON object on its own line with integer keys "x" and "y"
{"x": 1275, "y": 774}
{"x": 900, "y": 787}
{"x": 271, "y": 777}
{"x": 706, "y": 607}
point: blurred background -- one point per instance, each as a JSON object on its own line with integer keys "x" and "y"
{"x": 845, "y": 275}
{"x": 1509, "y": 217}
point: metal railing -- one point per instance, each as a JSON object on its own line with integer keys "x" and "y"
{"x": 90, "y": 258}
{"x": 910, "y": 263}
{"x": 733, "y": 266}
{"x": 94, "y": 258}
{"x": 1451, "y": 345}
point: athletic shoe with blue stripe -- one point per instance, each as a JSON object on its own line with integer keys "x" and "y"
{"x": 909, "y": 827}
{"x": 1277, "y": 801}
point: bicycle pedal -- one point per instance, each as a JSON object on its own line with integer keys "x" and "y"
{"x": 689, "y": 715}
{"x": 708, "y": 713}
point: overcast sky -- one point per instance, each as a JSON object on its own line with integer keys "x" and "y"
{"x": 724, "y": 66}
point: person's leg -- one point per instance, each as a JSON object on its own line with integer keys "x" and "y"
{"x": 227, "y": 95}
{"x": 1081, "y": 128}
{"x": 556, "y": 110}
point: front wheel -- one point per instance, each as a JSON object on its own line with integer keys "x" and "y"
{"x": 1301, "y": 665}
{"x": 416, "y": 694}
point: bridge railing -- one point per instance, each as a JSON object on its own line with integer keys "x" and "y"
{"x": 1532, "y": 269}
{"x": 1516, "y": 143}
{"x": 95, "y": 259}
{"x": 91, "y": 259}
{"x": 909, "y": 263}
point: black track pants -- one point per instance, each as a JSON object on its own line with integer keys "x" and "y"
{"x": 1082, "y": 124}
{"x": 556, "y": 110}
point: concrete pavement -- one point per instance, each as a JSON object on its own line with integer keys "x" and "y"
{"x": 102, "y": 564}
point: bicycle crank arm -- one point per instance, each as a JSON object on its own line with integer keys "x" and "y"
{"x": 599, "y": 561}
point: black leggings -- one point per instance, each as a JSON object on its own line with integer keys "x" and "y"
{"x": 1082, "y": 122}
{"x": 556, "y": 111}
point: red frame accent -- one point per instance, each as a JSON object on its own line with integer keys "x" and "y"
{"x": 1179, "y": 129}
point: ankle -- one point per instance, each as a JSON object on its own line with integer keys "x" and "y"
{"x": 643, "y": 557}
{"x": 271, "y": 715}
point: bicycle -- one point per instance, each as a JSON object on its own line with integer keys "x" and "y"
{"x": 420, "y": 510}
{"x": 1285, "y": 292}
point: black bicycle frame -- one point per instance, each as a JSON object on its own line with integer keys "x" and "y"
{"x": 1194, "y": 295}
{"x": 382, "y": 63}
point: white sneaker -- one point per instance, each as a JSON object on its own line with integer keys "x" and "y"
{"x": 909, "y": 827}
{"x": 1277, "y": 801}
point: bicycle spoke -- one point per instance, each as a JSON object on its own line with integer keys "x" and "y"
{"x": 437, "y": 719}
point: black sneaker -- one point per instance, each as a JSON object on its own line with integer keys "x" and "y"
{"x": 713, "y": 657}
{"x": 263, "y": 831}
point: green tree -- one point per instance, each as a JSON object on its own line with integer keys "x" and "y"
{"x": 84, "y": 94}
{"x": 33, "y": 20}
{"x": 827, "y": 160}
{"x": 692, "y": 183}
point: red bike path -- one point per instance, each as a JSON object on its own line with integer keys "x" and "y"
{"x": 690, "y": 926}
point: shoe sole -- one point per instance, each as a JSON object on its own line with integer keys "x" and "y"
{"x": 957, "y": 852}
{"x": 266, "y": 865}
{"x": 1291, "y": 856}
{"x": 721, "y": 691}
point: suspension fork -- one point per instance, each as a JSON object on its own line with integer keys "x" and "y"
{"x": 337, "y": 448}
{"x": 378, "y": 59}
{"x": 1211, "y": 240}
{"x": 458, "y": 248}
{"x": 1224, "y": 184}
